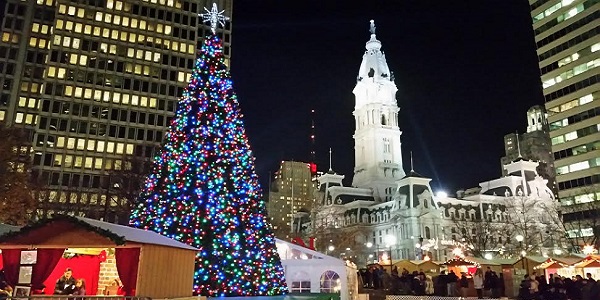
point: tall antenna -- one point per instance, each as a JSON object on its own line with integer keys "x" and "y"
{"x": 412, "y": 169}
{"x": 312, "y": 142}
{"x": 330, "y": 167}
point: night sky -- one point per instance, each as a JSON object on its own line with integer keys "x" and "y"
{"x": 466, "y": 73}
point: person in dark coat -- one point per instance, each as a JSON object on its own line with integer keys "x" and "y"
{"x": 65, "y": 284}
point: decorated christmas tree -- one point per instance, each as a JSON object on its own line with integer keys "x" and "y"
{"x": 203, "y": 189}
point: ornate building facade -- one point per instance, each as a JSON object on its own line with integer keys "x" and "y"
{"x": 387, "y": 212}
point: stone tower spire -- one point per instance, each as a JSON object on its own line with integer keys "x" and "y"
{"x": 378, "y": 155}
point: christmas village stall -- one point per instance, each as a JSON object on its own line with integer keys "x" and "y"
{"x": 563, "y": 266}
{"x": 428, "y": 267}
{"x": 591, "y": 265}
{"x": 146, "y": 263}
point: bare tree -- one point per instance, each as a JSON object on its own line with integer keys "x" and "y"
{"x": 581, "y": 222}
{"x": 328, "y": 229}
{"x": 538, "y": 222}
{"x": 481, "y": 235}
{"x": 17, "y": 190}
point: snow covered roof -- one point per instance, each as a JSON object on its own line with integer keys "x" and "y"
{"x": 291, "y": 251}
{"x": 5, "y": 228}
{"x": 136, "y": 235}
{"x": 118, "y": 234}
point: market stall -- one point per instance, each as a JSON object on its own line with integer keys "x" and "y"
{"x": 553, "y": 266}
{"x": 591, "y": 266}
{"x": 147, "y": 263}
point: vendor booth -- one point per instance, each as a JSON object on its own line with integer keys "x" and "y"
{"x": 309, "y": 271}
{"x": 146, "y": 263}
{"x": 589, "y": 265}
{"x": 562, "y": 268}
{"x": 426, "y": 266}
{"x": 469, "y": 265}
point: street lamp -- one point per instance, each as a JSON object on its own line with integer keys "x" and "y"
{"x": 390, "y": 240}
{"x": 330, "y": 249}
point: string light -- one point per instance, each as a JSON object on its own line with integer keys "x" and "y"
{"x": 203, "y": 189}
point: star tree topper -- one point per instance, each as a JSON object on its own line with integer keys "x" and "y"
{"x": 214, "y": 16}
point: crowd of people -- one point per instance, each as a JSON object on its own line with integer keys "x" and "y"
{"x": 535, "y": 287}
{"x": 488, "y": 284}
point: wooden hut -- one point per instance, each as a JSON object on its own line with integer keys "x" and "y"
{"x": 590, "y": 265}
{"x": 148, "y": 264}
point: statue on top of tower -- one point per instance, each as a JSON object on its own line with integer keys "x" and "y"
{"x": 372, "y": 29}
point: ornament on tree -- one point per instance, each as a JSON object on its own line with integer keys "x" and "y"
{"x": 203, "y": 189}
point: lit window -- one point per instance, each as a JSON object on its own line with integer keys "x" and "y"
{"x": 89, "y": 162}
{"x": 571, "y": 136}
{"x": 66, "y": 41}
{"x": 73, "y": 59}
{"x": 100, "y": 146}
{"x": 80, "y": 144}
{"x": 110, "y": 147}
{"x": 83, "y": 60}
{"x": 87, "y": 94}
{"x": 60, "y": 142}
{"x": 61, "y": 72}
{"x": 98, "y": 162}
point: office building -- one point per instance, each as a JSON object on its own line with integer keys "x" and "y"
{"x": 568, "y": 43}
{"x": 96, "y": 83}
{"x": 291, "y": 196}
{"x": 534, "y": 144}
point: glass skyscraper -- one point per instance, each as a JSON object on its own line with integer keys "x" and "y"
{"x": 568, "y": 44}
{"x": 96, "y": 83}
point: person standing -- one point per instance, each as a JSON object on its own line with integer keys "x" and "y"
{"x": 464, "y": 285}
{"x": 65, "y": 284}
{"x": 451, "y": 280}
{"x": 478, "y": 283}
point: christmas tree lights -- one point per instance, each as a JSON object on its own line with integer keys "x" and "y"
{"x": 204, "y": 191}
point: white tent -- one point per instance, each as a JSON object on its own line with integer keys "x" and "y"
{"x": 309, "y": 271}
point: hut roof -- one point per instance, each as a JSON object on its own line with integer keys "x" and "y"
{"x": 5, "y": 228}
{"x": 119, "y": 234}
